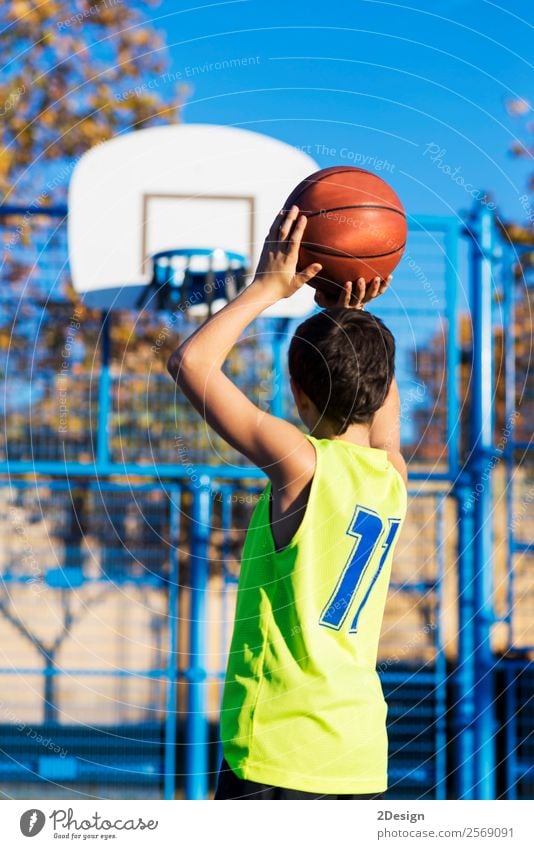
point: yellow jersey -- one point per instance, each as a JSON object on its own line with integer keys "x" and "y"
{"x": 303, "y": 706}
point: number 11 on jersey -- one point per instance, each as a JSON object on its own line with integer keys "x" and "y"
{"x": 368, "y": 529}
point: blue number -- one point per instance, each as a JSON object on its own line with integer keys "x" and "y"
{"x": 392, "y": 533}
{"x": 367, "y": 528}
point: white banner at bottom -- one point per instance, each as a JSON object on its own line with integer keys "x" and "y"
{"x": 223, "y": 825}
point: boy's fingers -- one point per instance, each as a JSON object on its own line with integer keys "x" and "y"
{"x": 306, "y": 274}
{"x": 273, "y": 233}
{"x": 384, "y": 284}
{"x": 361, "y": 287}
{"x": 287, "y": 224}
{"x": 297, "y": 233}
{"x": 348, "y": 294}
{"x": 374, "y": 286}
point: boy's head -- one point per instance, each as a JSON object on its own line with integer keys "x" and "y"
{"x": 343, "y": 361}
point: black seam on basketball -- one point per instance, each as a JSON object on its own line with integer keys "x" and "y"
{"x": 314, "y": 249}
{"x": 309, "y": 182}
{"x": 356, "y": 206}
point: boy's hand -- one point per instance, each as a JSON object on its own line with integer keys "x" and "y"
{"x": 353, "y": 295}
{"x": 277, "y": 267}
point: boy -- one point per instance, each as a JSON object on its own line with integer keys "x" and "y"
{"x": 303, "y": 714}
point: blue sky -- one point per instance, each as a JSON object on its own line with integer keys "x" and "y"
{"x": 420, "y": 87}
{"x": 368, "y": 79}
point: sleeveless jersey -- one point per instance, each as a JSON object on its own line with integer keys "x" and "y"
{"x": 303, "y": 706}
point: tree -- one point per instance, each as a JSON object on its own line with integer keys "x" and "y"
{"x": 74, "y": 75}
{"x": 522, "y": 232}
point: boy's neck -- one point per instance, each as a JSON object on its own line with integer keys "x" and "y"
{"x": 356, "y": 433}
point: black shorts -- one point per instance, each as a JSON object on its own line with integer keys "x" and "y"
{"x": 229, "y": 786}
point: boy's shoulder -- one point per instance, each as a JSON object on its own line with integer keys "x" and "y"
{"x": 399, "y": 463}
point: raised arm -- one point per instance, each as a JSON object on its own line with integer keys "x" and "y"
{"x": 276, "y": 446}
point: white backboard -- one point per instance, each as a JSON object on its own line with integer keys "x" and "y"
{"x": 178, "y": 186}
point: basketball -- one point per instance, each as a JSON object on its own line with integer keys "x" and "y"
{"x": 356, "y": 226}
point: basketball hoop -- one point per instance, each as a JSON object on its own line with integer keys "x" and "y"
{"x": 194, "y": 280}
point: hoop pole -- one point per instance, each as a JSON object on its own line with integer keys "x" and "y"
{"x": 453, "y": 348}
{"x": 464, "y": 716}
{"x": 481, "y": 464}
{"x": 279, "y": 336}
{"x": 196, "y": 781}
{"x": 172, "y": 642}
{"x": 104, "y": 391}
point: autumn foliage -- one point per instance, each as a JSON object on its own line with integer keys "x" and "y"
{"x": 69, "y": 79}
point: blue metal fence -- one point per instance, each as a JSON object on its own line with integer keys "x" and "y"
{"x": 88, "y": 615}
{"x": 129, "y": 629}
{"x": 175, "y": 541}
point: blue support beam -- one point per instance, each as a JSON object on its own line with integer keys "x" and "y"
{"x": 169, "y": 772}
{"x": 196, "y": 780}
{"x": 58, "y": 211}
{"x": 278, "y": 366}
{"x": 104, "y": 391}
{"x": 452, "y": 235}
{"x": 159, "y": 471}
{"x": 464, "y": 714}
{"x": 480, "y": 464}
{"x": 441, "y": 660}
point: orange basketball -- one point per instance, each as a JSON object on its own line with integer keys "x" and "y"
{"x": 356, "y": 225}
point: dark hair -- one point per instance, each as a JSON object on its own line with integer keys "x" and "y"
{"x": 344, "y": 360}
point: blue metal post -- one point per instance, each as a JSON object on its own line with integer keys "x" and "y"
{"x": 196, "y": 783}
{"x": 172, "y": 640}
{"x": 441, "y": 661}
{"x": 453, "y": 349}
{"x": 464, "y": 714}
{"x": 278, "y": 382}
{"x": 104, "y": 392}
{"x": 482, "y": 451}
{"x": 510, "y": 411}
{"x": 226, "y": 523}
